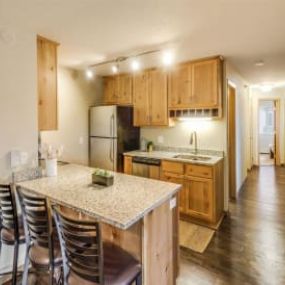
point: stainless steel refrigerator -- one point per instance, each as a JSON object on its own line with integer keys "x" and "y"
{"x": 111, "y": 134}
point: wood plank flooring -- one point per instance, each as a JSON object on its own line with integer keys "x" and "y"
{"x": 249, "y": 248}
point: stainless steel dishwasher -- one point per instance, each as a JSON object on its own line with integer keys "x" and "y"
{"x": 141, "y": 165}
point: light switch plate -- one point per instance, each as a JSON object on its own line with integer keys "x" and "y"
{"x": 172, "y": 203}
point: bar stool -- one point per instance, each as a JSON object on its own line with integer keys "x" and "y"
{"x": 89, "y": 261}
{"x": 43, "y": 246}
{"x": 12, "y": 232}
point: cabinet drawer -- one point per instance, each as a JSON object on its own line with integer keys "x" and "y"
{"x": 199, "y": 170}
{"x": 173, "y": 167}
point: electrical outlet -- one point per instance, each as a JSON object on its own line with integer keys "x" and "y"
{"x": 160, "y": 139}
{"x": 172, "y": 203}
{"x": 81, "y": 140}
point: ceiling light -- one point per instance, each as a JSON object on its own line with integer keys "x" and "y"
{"x": 115, "y": 68}
{"x": 259, "y": 63}
{"x": 89, "y": 74}
{"x": 135, "y": 65}
{"x": 167, "y": 58}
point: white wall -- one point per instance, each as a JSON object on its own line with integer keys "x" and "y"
{"x": 18, "y": 98}
{"x": 18, "y": 109}
{"x": 256, "y": 95}
{"x": 243, "y": 155}
{"x": 75, "y": 95}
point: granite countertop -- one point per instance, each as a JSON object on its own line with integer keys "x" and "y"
{"x": 124, "y": 203}
{"x": 170, "y": 155}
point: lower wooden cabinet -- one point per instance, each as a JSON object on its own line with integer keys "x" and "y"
{"x": 202, "y": 195}
{"x": 199, "y": 198}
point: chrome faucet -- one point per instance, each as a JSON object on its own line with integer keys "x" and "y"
{"x": 193, "y": 139}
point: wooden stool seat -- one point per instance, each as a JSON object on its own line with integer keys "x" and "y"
{"x": 39, "y": 256}
{"x": 119, "y": 268}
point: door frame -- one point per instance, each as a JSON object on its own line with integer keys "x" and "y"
{"x": 276, "y": 129}
{"x": 231, "y": 137}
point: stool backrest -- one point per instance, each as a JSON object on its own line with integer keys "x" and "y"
{"x": 8, "y": 211}
{"x": 37, "y": 218}
{"x": 81, "y": 247}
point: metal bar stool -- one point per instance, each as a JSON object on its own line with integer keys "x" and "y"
{"x": 43, "y": 245}
{"x": 89, "y": 261}
{"x": 12, "y": 233}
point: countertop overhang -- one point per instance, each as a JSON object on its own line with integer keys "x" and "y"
{"x": 123, "y": 204}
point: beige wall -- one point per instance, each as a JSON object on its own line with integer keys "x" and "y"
{"x": 18, "y": 98}
{"x": 256, "y": 95}
{"x": 75, "y": 95}
{"x": 243, "y": 155}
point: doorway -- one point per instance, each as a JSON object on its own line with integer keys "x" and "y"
{"x": 268, "y": 132}
{"x": 231, "y": 115}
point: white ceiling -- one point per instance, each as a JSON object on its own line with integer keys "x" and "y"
{"x": 244, "y": 31}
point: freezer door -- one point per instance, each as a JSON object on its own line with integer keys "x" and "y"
{"x": 103, "y": 121}
{"x": 103, "y": 153}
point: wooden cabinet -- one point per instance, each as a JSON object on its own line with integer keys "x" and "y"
{"x": 180, "y": 86}
{"x": 202, "y": 196}
{"x": 196, "y": 85}
{"x": 150, "y": 98}
{"x": 47, "y": 84}
{"x": 141, "y": 99}
{"x": 124, "y": 89}
{"x": 206, "y": 76}
{"x": 199, "y": 197}
{"x": 128, "y": 168}
{"x": 158, "y": 98}
{"x": 109, "y": 86}
{"x": 118, "y": 89}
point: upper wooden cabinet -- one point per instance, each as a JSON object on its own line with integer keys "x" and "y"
{"x": 118, "y": 89}
{"x": 180, "y": 86}
{"x": 109, "y": 90}
{"x": 141, "y": 98}
{"x": 150, "y": 98}
{"x": 47, "y": 84}
{"x": 206, "y": 77}
{"x": 196, "y": 85}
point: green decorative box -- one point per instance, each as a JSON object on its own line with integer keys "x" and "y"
{"x": 102, "y": 177}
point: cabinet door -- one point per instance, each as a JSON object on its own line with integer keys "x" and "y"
{"x": 47, "y": 84}
{"x": 124, "y": 89}
{"x": 141, "y": 99}
{"x": 199, "y": 201}
{"x": 158, "y": 98}
{"x": 179, "y": 86}
{"x": 205, "y": 85}
{"x": 128, "y": 169}
{"x": 182, "y": 195}
{"x": 109, "y": 93}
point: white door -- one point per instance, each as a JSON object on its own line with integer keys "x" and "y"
{"x": 103, "y": 153}
{"x": 103, "y": 121}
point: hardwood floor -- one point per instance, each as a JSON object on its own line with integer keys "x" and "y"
{"x": 249, "y": 248}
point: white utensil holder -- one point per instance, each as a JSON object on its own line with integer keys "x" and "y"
{"x": 51, "y": 167}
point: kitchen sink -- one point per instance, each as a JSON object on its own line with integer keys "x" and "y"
{"x": 193, "y": 157}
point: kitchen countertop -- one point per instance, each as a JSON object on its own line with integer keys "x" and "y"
{"x": 124, "y": 203}
{"x": 167, "y": 155}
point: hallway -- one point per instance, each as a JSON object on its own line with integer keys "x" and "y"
{"x": 249, "y": 247}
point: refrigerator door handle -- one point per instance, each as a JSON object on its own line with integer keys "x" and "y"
{"x": 110, "y": 151}
{"x": 112, "y": 125}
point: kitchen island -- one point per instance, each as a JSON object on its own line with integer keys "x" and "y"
{"x": 136, "y": 213}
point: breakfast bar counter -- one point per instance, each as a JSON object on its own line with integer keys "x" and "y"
{"x": 138, "y": 214}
